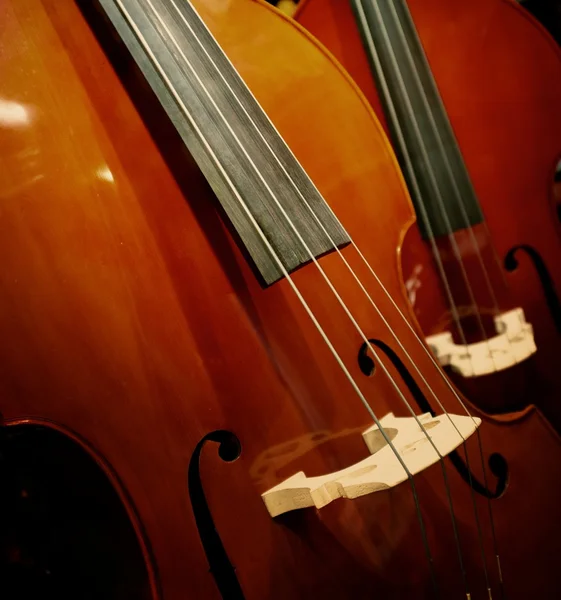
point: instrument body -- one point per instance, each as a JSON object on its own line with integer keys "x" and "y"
{"x": 132, "y": 323}
{"x": 502, "y": 100}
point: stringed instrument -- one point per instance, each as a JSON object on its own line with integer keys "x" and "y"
{"x": 470, "y": 93}
{"x": 209, "y": 386}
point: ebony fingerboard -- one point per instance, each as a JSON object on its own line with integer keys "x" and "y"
{"x": 427, "y": 149}
{"x": 262, "y": 187}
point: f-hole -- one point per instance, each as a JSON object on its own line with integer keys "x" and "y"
{"x": 223, "y": 571}
{"x": 551, "y": 297}
{"x": 497, "y": 463}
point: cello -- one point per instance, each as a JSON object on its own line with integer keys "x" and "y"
{"x": 181, "y": 347}
{"x": 470, "y": 94}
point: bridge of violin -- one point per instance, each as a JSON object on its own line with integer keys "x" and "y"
{"x": 513, "y": 343}
{"x": 382, "y": 469}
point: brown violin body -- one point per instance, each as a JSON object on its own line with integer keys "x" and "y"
{"x": 132, "y": 324}
{"x": 499, "y": 76}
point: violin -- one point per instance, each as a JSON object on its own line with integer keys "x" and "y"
{"x": 469, "y": 94}
{"x": 210, "y": 386}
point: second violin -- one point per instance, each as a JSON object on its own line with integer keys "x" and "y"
{"x": 471, "y": 94}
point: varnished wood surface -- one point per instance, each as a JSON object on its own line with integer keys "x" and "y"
{"x": 499, "y": 75}
{"x": 129, "y": 318}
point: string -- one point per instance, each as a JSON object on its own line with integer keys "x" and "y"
{"x": 203, "y": 48}
{"x": 264, "y": 181}
{"x": 452, "y": 175}
{"x": 187, "y": 62}
{"x": 344, "y": 259}
{"x": 414, "y": 182}
{"x": 470, "y": 229}
{"x": 468, "y": 179}
{"x": 413, "y": 178}
{"x": 467, "y": 458}
{"x": 434, "y": 183}
{"x": 305, "y": 202}
{"x": 399, "y": 133}
{"x": 406, "y": 321}
{"x": 464, "y": 214}
{"x": 295, "y": 289}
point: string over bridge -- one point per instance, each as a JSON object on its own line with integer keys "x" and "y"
{"x": 382, "y": 469}
{"x": 513, "y": 344}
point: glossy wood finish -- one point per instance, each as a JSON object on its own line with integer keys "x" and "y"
{"x": 500, "y": 80}
{"x": 129, "y": 318}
